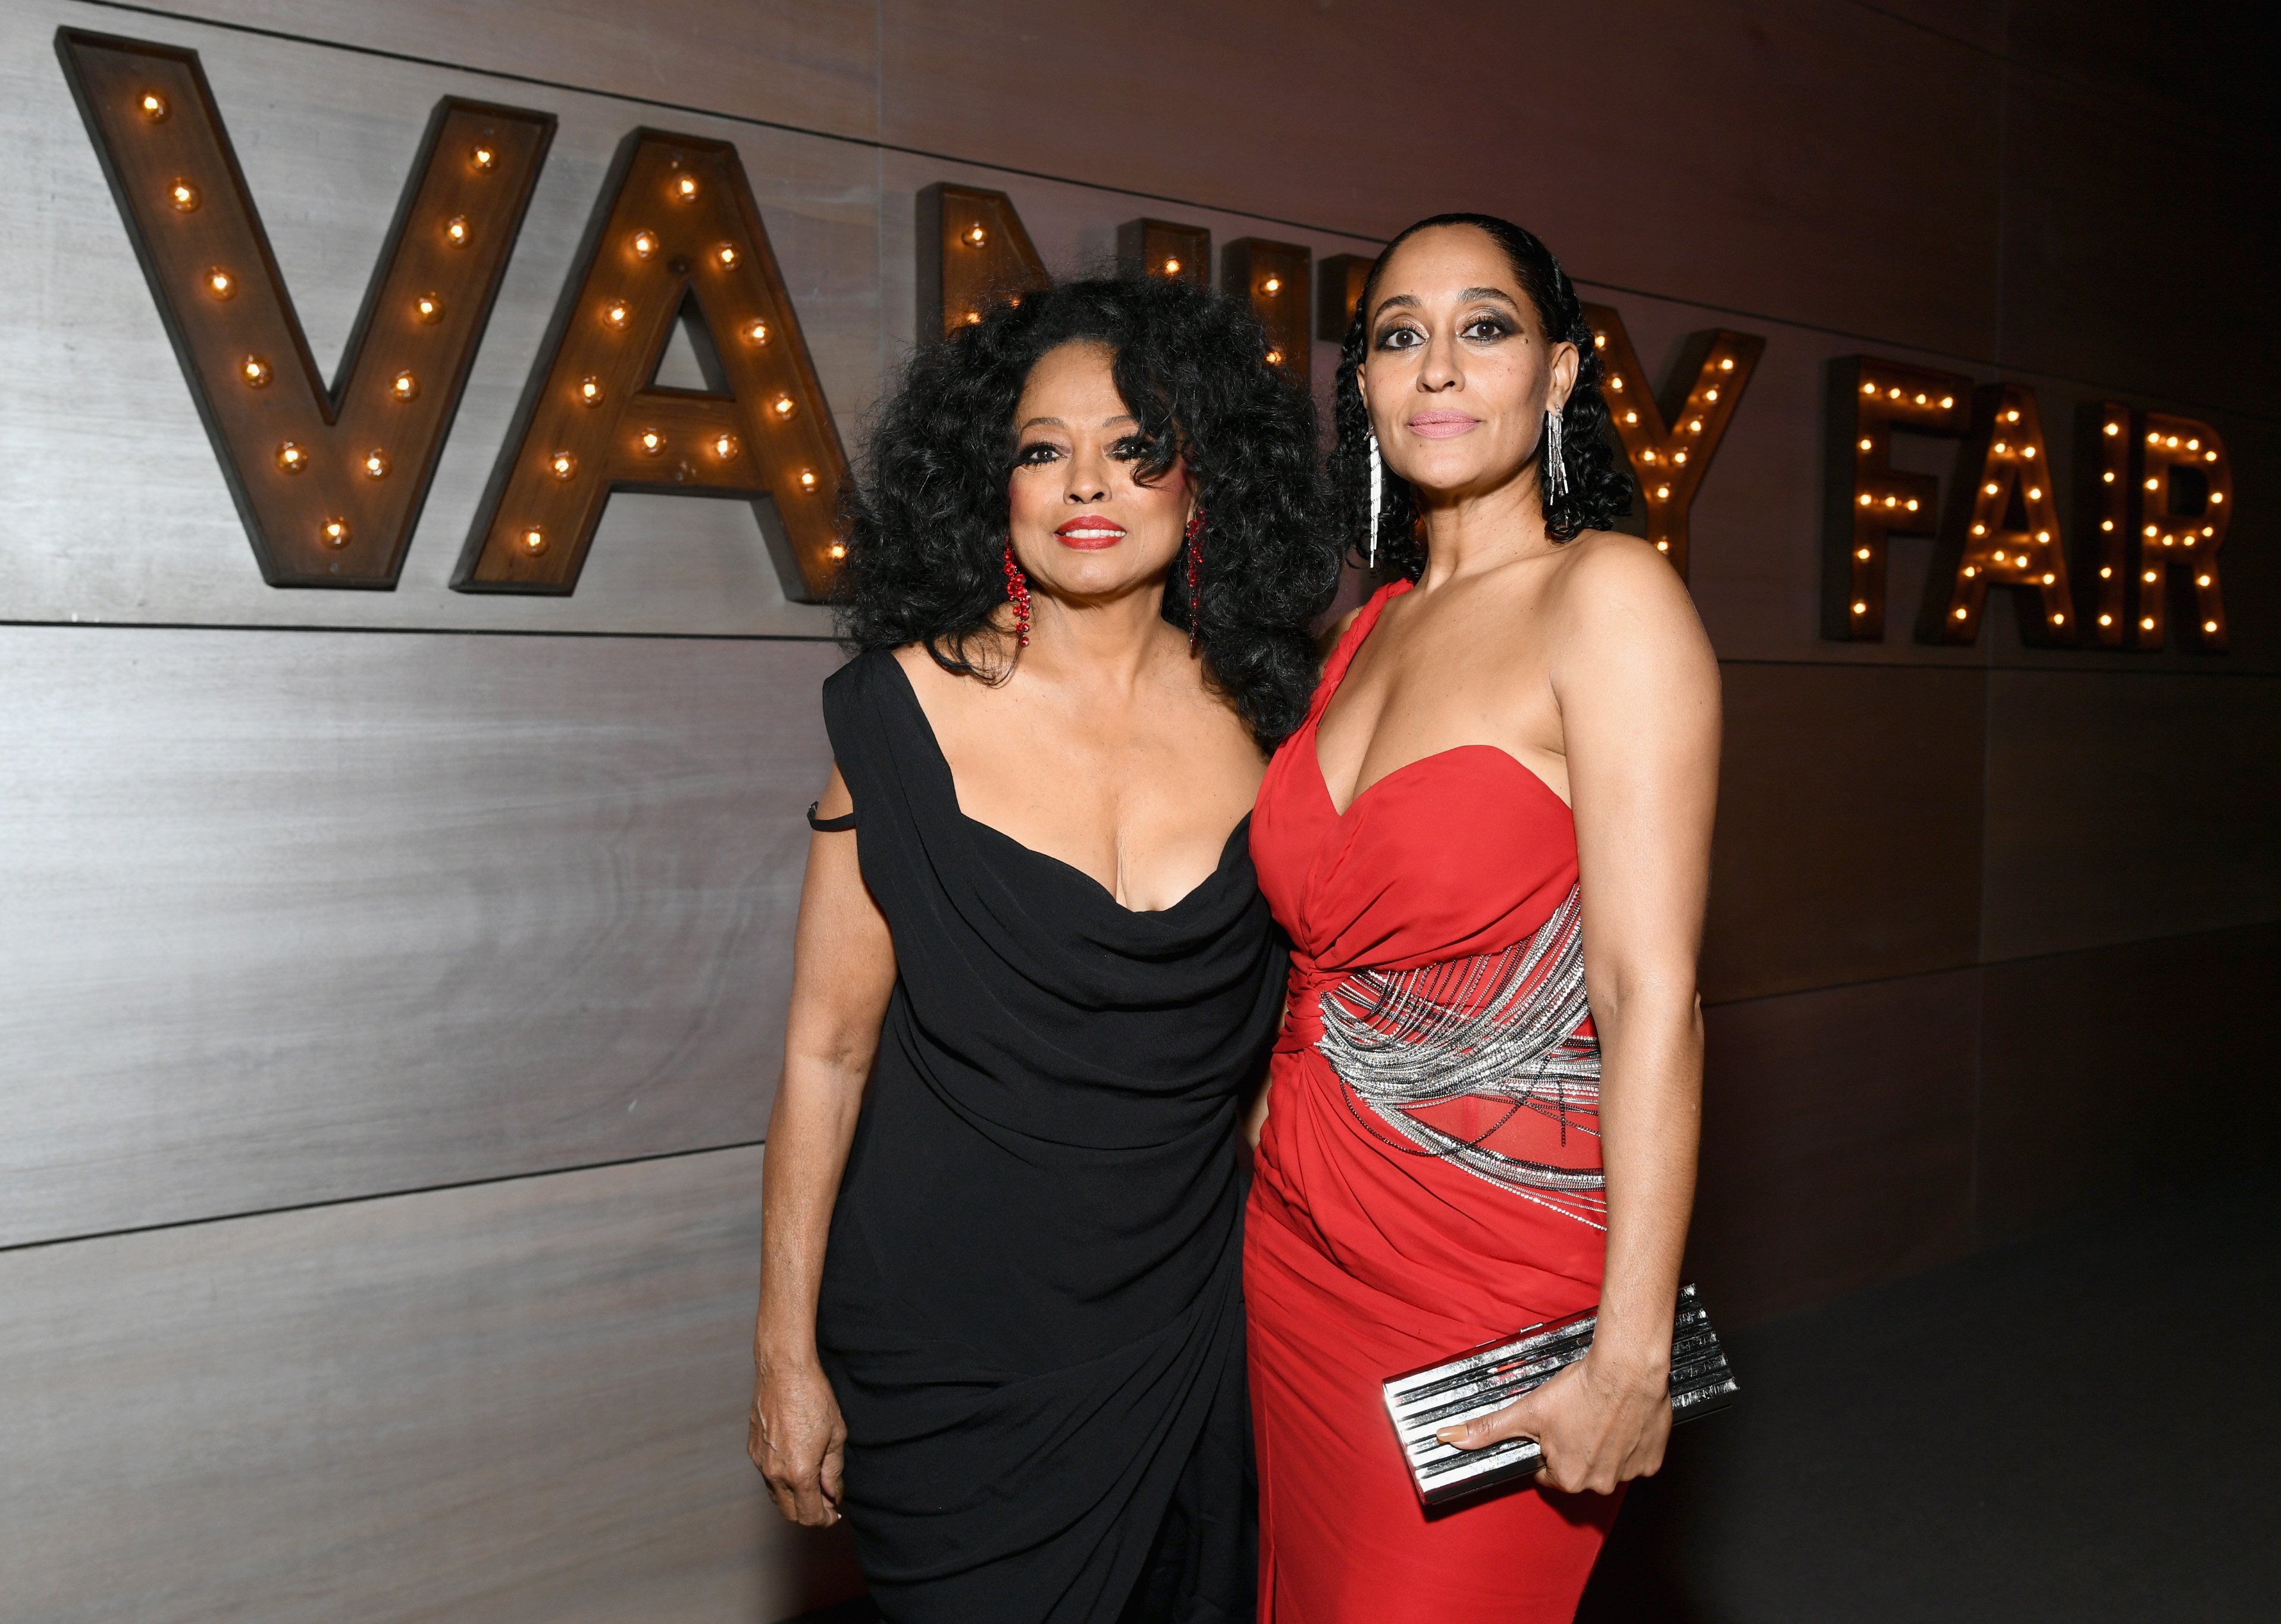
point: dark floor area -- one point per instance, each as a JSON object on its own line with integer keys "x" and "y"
{"x": 2080, "y": 1428}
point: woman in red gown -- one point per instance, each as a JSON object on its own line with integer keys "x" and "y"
{"x": 1501, "y": 797}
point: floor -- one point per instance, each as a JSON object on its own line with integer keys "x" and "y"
{"x": 2079, "y": 1429}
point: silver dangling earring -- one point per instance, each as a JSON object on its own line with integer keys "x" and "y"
{"x": 1556, "y": 463}
{"x": 1377, "y": 499}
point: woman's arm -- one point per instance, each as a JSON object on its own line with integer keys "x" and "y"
{"x": 1638, "y": 690}
{"x": 842, "y": 972}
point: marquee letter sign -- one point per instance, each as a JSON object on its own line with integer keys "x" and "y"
{"x": 328, "y": 480}
{"x": 2185, "y": 498}
{"x": 2002, "y": 530}
{"x": 1272, "y": 278}
{"x": 675, "y": 238}
{"x": 1670, "y": 453}
{"x": 1868, "y": 500}
{"x": 1338, "y": 289}
{"x": 1159, "y": 248}
{"x": 973, "y": 253}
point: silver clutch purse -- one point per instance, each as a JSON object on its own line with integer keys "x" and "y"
{"x": 1422, "y": 1402}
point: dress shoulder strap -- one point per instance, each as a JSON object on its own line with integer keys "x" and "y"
{"x": 1350, "y": 642}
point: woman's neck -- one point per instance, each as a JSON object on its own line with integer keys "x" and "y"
{"x": 1470, "y": 532}
{"x": 1109, "y": 641}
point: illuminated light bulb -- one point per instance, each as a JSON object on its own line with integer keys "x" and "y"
{"x": 2058, "y": 620}
{"x": 2210, "y": 529}
{"x": 616, "y": 313}
{"x": 2209, "y": 625}
{"x": 1599, "y": 341}
{"x": 2107, "y": 478}
{"x": 1679, "y": 456}
{"x": 2149, "y": 575}
{"x": 645, "y": 244}
{"x": 1969, "y": 572}
{"x": 255, "y": 371}
{"x": 1979, "y": 529}
{"x": 2000, "y": 448}
{"x": 1616, "y": 384}
{"x": 973, "y": 318}
{"x": 2150, "y": 529}
{"x": 2043, "y": 535}
{"x": 1663, "y": 491}
{"x": 1647, "y": 456}
{"x": 2147, "y": 623}
{"x": 1867, "y": 444}
{"x": 1869, "y": 389}
{"x": 533, "y": 540}
{"x": 375, "y": 464}
{"x": 1710, "y": 394}
{"x": 152, "y": 106}
{"x": 1695, "y": 427}
{"x": 2172, "y": 441}
{"x": 1921, "y": 400}
{"x": 726, "y": 254}
{"x": 1726, "y": 364}
{"x": 1663, "y": 546}
{"x": 724, "y": 446}
{"x": 455, "y": 231}
{"x": 1989, "y": 489}
{"x": 1862, "y": 553}
{"x": 2035, "y": 493}
{"x": 838, "y": 550}
{"x": 1632, "y": 417}
{"x": 2114, "y": 427}
{"x": 2048, "y": 577}
{"x": 334, "y": 532}
{"x": 1999, "y": 558}
{"x": 1947, "y": 401}
{"x": 808, "y": 479}
{"x": 2153, "y": 439}
{"x": 2105, "y": 572}
{"x": 291, "y": 458}
{"x": 2209, "y": 456}
{"x": 685, "y": 188}
{"x": 2107, "y": 620}
{"x": 2201, "y": 580}
{"x": 1860, "y": 607}
{"x": 1272, "y": 286}
{"x": 589, "y": 390}
{"x": 1960, "y": 614}
{"x": 1911, "y": 504}
{"x": 2218, "y": 496}
{"x": 482, "y": 157}
{"x": 974, "y": 235}
{"x": 563, "y": 465}
{"x": 1891, "y": 501}
{"x": 2027, "y": 452}
{"x": 2193, "y": 445}
{"x": 756, "y": 332}
{"x": 1865, "y": 500}
{"x": 2153, "y": 484}
{"x": 784, "y": 407}
{"x": 1893, "y": 393}
{"x": 183, "y": 195}
{"x": 428, "y": 307}
{"x": 2106, "y": 524}
{"x": 404, "y": 387}
{"x": 1275, "y": 357}
{"x": 220, "y": 283}
{"x": 1172, "y": 267}
{"x": 2012, "y": 416}
{"x": 651, "y": 441}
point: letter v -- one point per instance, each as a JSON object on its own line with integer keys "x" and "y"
{"x": 328, "y": 480}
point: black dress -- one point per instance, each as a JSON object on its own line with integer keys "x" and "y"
{"x": 1031, "y": 1309}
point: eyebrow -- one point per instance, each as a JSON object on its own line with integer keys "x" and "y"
{"x": 1056, "y": 423}
{"x": 1410, "y": 301}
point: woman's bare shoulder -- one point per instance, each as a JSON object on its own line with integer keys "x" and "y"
{"x": 1619, "y": 592}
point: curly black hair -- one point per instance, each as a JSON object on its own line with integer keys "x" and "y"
{"x": 1599, "y": 484}
{"x": 925, "y": 521}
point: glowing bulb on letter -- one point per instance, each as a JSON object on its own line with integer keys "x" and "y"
{"x": 220, "y": 283}
{"x": 756, "y": 332}
{"x": 533, "y": 540}
{"x": 808, "y": 479}
{"x": 482, "y": 157}
{"x": 589, "y": 390}
{"x": 375, "y": 464}
{"x": 183, "y": 195}
{"x": 976, "y": 236}
{"x": 1726, "y": 364}
{"x": 724, "y": 446}
{"x": 784, "y": 407}
{"x": 152, "y": 106}
{"x": 726, "y": 254}
{"x": 429, "y": 308}
{"x": 255, "y": 371}
{"x": 455, "y": 231}
{"x": 651, "y": 441}
{"x": 405, "y": 387}
{"x": 685, "y": 188}
{"x": 645, "y": 244}
{"x": 616, "y": 313}
{"x": 1860, "y": 607}
{"x": 334, "y": 532}
{"x": 291, "y": 458}
{"x": 838, "y": 550}
{"x": 563, "y": 465}
{"x": 1272, "y": 286}
{"x": 1172, "y": 267}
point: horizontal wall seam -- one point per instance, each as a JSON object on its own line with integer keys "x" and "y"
{"x": 371, "y": 1196}
{"x": 2024, "y": 958}
{"x": 509, "y": 77}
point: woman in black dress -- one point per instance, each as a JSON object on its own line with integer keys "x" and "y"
{"x": 1000, "y": 1326}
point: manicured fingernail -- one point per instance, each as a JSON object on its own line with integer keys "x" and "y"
{"x": 1451, "y": 1435}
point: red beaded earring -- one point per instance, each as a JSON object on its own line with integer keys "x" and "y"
{"x": 1195, "y": 577}
{"x": 1017, "y": 593}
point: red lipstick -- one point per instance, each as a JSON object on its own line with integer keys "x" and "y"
{"x": 1090, "y": 533}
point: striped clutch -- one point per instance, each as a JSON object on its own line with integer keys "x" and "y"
{"x": 1422, "y": 1402}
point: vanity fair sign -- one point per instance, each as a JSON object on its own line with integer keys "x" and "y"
{"x": 330, "y": 479}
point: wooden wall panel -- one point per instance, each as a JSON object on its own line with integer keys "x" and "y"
{"x": 1848, "y": 845}
{"x": 1838, "y": 1141}
{"x": 521, "y": 1403}
{"x": 2121, "y": 807}
{"x": 2110, "y": 1073}
{"x": 295, "y": 916}
{"x": 1885, "y": 219}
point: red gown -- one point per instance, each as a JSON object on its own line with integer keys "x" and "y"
{"x": 1366, "y": 1256}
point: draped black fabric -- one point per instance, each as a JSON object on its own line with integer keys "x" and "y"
{"x": 1030, "y": 1311}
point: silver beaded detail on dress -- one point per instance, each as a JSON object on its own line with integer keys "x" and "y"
{"x": 1497, "y": 1025}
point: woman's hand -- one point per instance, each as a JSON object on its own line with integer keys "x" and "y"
{"x": 1600, "y": 1426}
{"x": 797, "y": 1439}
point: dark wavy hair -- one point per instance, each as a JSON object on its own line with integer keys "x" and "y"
{"x": 1599, "y": 484}
{"x": 925, "y": 521}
